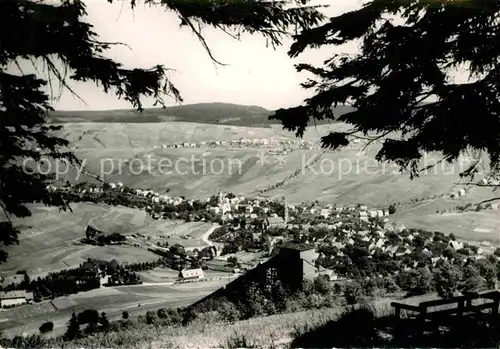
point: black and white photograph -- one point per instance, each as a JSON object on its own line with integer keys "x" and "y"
{"x": 249, "y": 174}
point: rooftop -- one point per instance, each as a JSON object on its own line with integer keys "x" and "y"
{"x": 275, "y": 220}
{"x": 15, "y": 294}
{"x": 297, "y": 246}
{"x": 189, "y": 273}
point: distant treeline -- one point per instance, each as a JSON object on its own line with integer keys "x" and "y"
{"x": 85, "y": 277}
{"x": 205, "y": 113}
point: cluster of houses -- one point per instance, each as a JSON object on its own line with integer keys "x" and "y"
{"x": 241, "y": 207}
{"x": 229, "y": 207}
{"x": 378, "y": 241}
{"x": 378, "y": 237}
{"x": 246, "y": 142}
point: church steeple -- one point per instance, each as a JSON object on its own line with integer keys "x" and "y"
{"x": 286, "y": 211}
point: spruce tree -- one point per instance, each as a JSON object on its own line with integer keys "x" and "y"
{"x": 400, "y": 83}
{"x": 104, "y": 322}
{"x": 73, "y": 329}
{"x": 54, "y": 34}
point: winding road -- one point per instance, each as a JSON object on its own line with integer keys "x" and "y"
{"x": 205, "y": 236}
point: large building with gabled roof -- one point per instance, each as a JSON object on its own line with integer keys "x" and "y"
{"x": 191, "y": 274}
{"x": 293, "y": 264}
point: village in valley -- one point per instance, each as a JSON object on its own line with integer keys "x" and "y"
{"x": 144, "y": 254}
{"x": 337, "y": 236}
{"x": 249, "y": 174}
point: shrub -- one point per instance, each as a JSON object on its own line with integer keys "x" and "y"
{"x": 188, "y": 316}
{"x": 92, "y": 327}
{"x": 446, "y": 279}
{"x": 321, "y": 285}
{"x": 150, "y": 318}
{"x": 87, "y": 316}
{"x": 104, "y": 322}
{"x": 353, "y": 292}
{"x": 161, "y": 313}
{"x": 46, "y": 327}
{"x": 239, "y": 341}
{"x": 229, "y": 311}
{"x": 33, "y": 341}
{"x": 172, "y": 317}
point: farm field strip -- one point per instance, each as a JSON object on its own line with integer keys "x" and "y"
{"x": 56, "y": 247}
{"x": 113, "y": 304}
{"x": 464, "y": 225}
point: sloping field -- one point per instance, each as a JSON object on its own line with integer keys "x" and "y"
{"x": 473, "y": 226}
{"x": 147, "y": 135}
{"x": 50, "y": 239}
{"x": 351, "y": 176}
{"x": 344, "y": 176}
{"x": 179, "y": 228}
{"x": 187, "y": 234}
{"x": 200, "y": 231}
{"x": 275, "y": 331}
{"x": 120, "y": 219}
{"x": 159, "y": 275}
{"x": 189, "y": 172}
{"x": 28, "y": 311}
{"x": 129, "y": 298}
{"x": 63, "y": 303}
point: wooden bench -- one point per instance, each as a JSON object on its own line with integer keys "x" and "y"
{"x": 461, "y": 305}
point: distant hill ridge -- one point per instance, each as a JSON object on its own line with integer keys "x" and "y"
{"x": 206, "y": 113}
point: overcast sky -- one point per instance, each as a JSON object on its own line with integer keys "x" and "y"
{"x": 255, "y": 75}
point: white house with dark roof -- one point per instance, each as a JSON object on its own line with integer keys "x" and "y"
{"x": 427, "y": 253}
{"x": 456, "y": 245}
{"x": 191, "y": 274}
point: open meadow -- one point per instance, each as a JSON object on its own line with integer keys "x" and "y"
{"x": 471, "y": 226}
{"x": 136, "y": 299}
{"x": 147, "y": 135}
{"x": 50, "y": 240}
{"x": 127, "y": 153}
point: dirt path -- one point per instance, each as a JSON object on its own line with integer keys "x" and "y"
{"x": 290, "y": 178}
{"x": 205, "y": 236}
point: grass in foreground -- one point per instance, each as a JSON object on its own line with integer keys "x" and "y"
{"x": 368, "y": 325}
{"x": 204, "y": 332}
